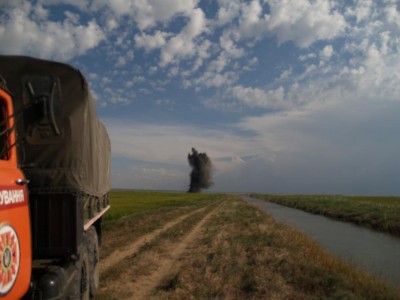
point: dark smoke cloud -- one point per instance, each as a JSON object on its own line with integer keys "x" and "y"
{"x": 200, "y": 177}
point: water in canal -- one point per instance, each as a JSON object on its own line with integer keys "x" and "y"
{"x": 376, "y": 252}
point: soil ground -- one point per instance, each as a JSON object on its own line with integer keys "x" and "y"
{"x": 223, "y": 250}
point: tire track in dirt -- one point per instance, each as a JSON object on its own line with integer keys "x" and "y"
{"x": 131, "y": 249}
{"x": 145, "y": 284}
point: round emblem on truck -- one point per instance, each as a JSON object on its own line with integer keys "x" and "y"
{"x": 9, "y": 255}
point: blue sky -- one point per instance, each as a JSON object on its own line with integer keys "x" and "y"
{"x": 285, "y": 96}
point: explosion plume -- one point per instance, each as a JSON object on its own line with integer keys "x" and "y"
{"x": 200, "y": 177}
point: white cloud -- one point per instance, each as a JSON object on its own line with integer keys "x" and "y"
{"x": 121, "y": 61}
{"x": 215, "y": 74}
{"x": 163, "y": 11}
{"x": 119, "y": 100}
{"x": 228, "y": 45}
{"x": 251, "y": 22}
{"x": 366, "y": 67}
{"x": 392, "y": 14}
{"x": 309, "y": 69}
{"x": 258, "y": 98}
{"x": 164, "y": 102}
{"x": 106, "y": 80}
{"x": 301, "y": 21}
{"x": 228, "y": 10}
{"x": 179, "y": 46}
{"x": 111, "y": 24}
{"x": 328, "y": 148}
{"x": 286, "y": 74}
{"x": 362, "y": 10}
{"x": 196, "y": 25}
{"x": 202, "y": 54}
{"x": 304, "y": 22}
{"x": 326, "y": 52}
{"x": 150, "y": 42}
{"x": 332, "y": 99}
{"x": 148, "y": 13}
{"x": 333, "y": 117}
{"x": 40, "y": 12}
{"x": 214, "y": 77}
{"x": 304, "y": 57}
{"x": 182, "y": 45}
{"x": 20, "y": 34}
{"x": 151, "y": 143}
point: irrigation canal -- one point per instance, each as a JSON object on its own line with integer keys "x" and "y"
{"x": 373, "y": 251}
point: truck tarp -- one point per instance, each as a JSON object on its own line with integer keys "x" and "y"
{"x": 62, "y": 146}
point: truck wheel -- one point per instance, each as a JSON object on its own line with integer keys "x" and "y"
{"x": 93, "y": 251}
{"x": 80, "y": 286}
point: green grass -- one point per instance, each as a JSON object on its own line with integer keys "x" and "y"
{"x": 379, "y": 213}
{"x": 244, "y": 254}
{"x": 127, "y": 203}
{"x": 240, "y": 253}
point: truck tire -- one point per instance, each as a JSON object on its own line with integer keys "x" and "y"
{"x": 80, "y": 285}
{"x": 92, "y": 245}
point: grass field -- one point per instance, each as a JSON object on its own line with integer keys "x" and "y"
{"x": 379, "y": 213}
{"x": 125, "y": 203}
{"x": 215, "y": 246}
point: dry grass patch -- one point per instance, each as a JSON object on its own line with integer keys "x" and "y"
{"x": 243, "y": 254}
{"x": 226, "y": 251}
{"x": 129, "y": 228}
{"x": 142, "y": 267}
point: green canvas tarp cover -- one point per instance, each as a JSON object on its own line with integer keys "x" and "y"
{"x": 62, "y": 146}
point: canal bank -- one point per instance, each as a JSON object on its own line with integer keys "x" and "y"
{"x": 375, "y": 252}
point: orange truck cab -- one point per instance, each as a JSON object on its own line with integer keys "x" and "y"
{"x": 15, "y": 231}
{"x": 54, "y": 181}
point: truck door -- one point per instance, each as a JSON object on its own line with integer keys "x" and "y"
{"x": 15, "y": 232}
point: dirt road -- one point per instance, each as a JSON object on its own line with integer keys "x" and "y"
{"x": 224, "y": 250}
{"x": 143, "y": 264}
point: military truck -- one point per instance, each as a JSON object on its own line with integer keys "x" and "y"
{"x": 54, "y": 181}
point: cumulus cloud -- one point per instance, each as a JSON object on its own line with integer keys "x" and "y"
{"x": 228, "y": 10}
{"x": 361, "y": 11}
{"x": 304, "y": 22}
{"x": 330, "y": 119}
{"x": 111, "y": 24}
{"x": 300, "y": 21}
{"x": 229, "y": 47}
{"x": 117, "y": 99}
{"x": 329, "y": 111}
{"x": 150, "y": 42}
{"x": 258, "y": 98}
{"x": 147, "y": 13}
{"x": 251, "y": 22}
{"x": 20, "y": 33}
{"x": 215, "y": 76}
{"x": 326, "y": 52}
{"x": 392, "y": 14}
{"x": 183, "y": 45}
